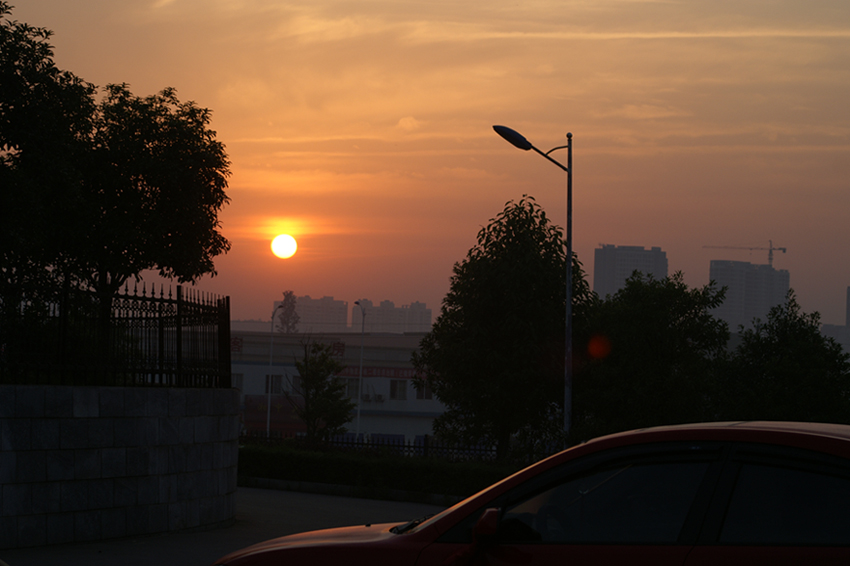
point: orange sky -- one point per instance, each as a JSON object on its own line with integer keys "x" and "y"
{"x": 364, "y": 129}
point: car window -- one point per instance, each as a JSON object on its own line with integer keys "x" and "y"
{"x": 788, "y": 506}
{"x": 629, "y": 503}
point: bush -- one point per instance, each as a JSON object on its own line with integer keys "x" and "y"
{"x": 377, "y": 476}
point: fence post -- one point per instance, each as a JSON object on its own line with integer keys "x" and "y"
{"x": 63, "y": 330}
{"x": 178, "y": 363}
{"x": 224, "y": 342}
{"x": 160, "y": 339}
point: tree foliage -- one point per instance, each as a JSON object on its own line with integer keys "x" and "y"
{"x": 321, "y": 403}
{"x": 495, "y": 354}
{"x": 651, "y": 356}
{"x": 97, "y": 192}
{"x": 287, "y": 318}
{"x": 45, "y": 114}
{"x": 785, "y": 369}
{"x": 156, "y": 183}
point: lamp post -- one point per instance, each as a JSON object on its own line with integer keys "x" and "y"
{"x": 360, "y": 379}
{"x": 518, "y": 140}
{"x": 269, "y": 379}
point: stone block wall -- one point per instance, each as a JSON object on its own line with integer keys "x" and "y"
{"x": 90, "y": 463}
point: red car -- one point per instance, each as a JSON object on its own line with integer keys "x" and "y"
{"x": 749, "y": 493}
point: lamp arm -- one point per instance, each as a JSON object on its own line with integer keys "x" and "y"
{"x": 546, "y": 155}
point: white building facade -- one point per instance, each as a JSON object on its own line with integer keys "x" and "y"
{"x": 263, "y": 369}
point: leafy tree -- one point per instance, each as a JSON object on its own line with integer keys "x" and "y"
{"x": 155, "y": 188}
{"x": 104, "y": 190}
{"x": 44, "y": 114}
{"x": 785, "y": 369}
{"x": 287, "y": 318}
{"x": 651, "y": 356}
{"x": 495, "y": 355}
{"x": 323, "y": 405}
{"x": 94, "y": 193}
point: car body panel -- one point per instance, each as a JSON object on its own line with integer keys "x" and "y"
{"x": 431, "y": 543}
{"x": 575, "y": 555}
{"x": 330, "y": 544}
{"x": 767, "y": 556}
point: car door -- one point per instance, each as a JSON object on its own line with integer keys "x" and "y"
{"x": 778, "y": 505}
{"x": 624, "y": 506}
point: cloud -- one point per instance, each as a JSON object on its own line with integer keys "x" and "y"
{"x": 645, "y": 112}
{"x": 409, "y": 124}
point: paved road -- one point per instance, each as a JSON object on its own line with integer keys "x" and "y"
{"x": 261, "y": 514}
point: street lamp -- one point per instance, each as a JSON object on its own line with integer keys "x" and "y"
{"x": 360, "y": 379}
{"x": 269, "y": 379}
{"x": 518, "y": 140}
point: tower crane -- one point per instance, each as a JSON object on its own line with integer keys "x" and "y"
{"x": 769, "y": 250}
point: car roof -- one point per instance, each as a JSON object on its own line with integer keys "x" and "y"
{"x": 825, "y": 437}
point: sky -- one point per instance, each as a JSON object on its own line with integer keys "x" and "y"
{"x": 364, "y": 130}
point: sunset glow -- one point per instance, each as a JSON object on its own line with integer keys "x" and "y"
{"x": 365, "y": 129}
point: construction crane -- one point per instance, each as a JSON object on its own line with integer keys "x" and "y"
{"x": 769, "y": 250}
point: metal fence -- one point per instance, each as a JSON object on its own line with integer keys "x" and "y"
{"x": 176, "y": 339}
{"x": 380, "y": 444}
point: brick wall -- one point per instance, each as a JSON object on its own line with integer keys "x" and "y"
{"x": 90, "y": 463}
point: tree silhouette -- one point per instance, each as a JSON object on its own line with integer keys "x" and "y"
{"x": 43, "y": 112}
{"x": 104, "y": 189}
{"x": 95, "y": 193}
{"x": 785, "y": 369}
{"x": 320, "y": 402}
{"x": 287, "y": 317}
{"x": 154, "y": 188}
{"x": 495, "y": 354}
{"x": 651, "y": 357}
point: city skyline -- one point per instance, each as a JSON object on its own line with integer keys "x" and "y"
{"x": 365, "y": 130}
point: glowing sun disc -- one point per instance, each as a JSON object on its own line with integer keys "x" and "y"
{"x": 284, "y": 246}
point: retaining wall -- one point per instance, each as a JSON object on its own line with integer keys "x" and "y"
{"x": 90, "y": 463}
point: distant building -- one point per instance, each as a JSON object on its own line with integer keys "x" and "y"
{"x": 751, "y": 291}
{"x": 328, "y": 315}
{"x": 840, "y": 333}
{"x": 612, "y": 265}
{"x": 387, "y": 318}
{"x": 316, "y": 316}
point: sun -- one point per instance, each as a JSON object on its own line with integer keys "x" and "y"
{"x": 284, "y": 246}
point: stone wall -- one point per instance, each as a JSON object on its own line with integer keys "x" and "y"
{"x": 90, "y": 463}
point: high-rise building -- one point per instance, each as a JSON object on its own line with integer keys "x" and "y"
{"x": 612, "y": 265}
{"x": 840, "y": 332}
{"x": 751, "y": 290}
{"x": 417, "y": 317}
{"x": 386, "y": 317}
{"x": 320, "y": 315}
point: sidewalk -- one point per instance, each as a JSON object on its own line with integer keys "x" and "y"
{"x": 261, "y": 514}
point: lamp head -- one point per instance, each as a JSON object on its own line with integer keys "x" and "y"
{"x": 515, "y": 138}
